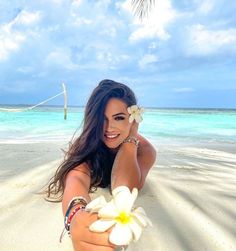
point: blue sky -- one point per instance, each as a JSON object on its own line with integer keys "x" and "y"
{"x": 182, "y": 55}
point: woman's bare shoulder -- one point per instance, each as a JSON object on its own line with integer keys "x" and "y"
{"x": 145, "y": 147}
{"x": 146, "y": 157}
{"x": 81, "y": 168}
{"x": 144, "y": 142}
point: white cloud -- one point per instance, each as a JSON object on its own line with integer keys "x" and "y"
{"x": 204, "y": 42}
{"x": 147, "y": 59}
{"x": 205, "y": 6}
{"x": 75, "y": 16}
{"x": 155, "y": 24}
{"x": 80, "y": 21}
{"x": 27, "y": 18}
{"x": 107, "y": 59}
{"x": 10, "y": 38}
{"x": 60, "y": 57}
{"x": 9, "y": 41}
{"x": 75, "y": 3}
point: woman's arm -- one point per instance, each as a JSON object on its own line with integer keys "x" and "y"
{"x": 132, "y": 164}
{"x": 125, "y": 170}
{"x": 77, "y": 184}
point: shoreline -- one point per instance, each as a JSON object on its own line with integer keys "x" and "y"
{"x": 189, "y": 196}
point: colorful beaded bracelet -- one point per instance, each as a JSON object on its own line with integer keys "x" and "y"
{"x": 79, "y": 200}
{"x": 74, "y": 202}
{"x": 67, "y": 224}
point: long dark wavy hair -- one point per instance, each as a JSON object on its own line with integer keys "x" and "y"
{"x": 89, "y": 147}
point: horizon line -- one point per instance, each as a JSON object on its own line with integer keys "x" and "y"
{"x": 148, "y": 107}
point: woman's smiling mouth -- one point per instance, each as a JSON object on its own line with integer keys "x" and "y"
{"x": 111, "y": 136}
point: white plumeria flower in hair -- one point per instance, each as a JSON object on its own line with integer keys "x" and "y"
{"x": 135, "y": 113}
{"x": 126, "y": 220}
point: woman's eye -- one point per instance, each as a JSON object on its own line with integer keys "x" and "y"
{"x": 119, "y": 118}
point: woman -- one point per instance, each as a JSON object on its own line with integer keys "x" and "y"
{"x": 109, "y": 152}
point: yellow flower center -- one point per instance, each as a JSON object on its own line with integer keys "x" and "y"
{"x": 123, "y": 218}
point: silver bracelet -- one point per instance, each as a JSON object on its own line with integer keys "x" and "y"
{"x": 131, "y": 140}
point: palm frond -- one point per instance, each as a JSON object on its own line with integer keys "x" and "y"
{"x": 142, "y": 8}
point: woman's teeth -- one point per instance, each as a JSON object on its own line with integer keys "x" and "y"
{"x": 112, "y": 136}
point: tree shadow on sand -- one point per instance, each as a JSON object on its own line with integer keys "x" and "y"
{"x": 192, "y": 206}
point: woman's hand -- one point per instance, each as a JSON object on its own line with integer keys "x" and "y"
{"x": 134, "y": 129}
{"x": 85, "y": 240}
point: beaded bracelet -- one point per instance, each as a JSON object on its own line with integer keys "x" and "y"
{"x": 74, "y": 201}
{"x": 131, "y": 140}
{"x": 79, "y": 200}
{"x": 67, "y": 223}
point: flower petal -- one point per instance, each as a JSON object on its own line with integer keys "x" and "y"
{"x": 119, "y": 189}
{"x": 109, "y": 211}
{"x": 138, "y": 118}
{"x": 101, "y": 225}
{"x": 133, "y": 108}
{"x": 141, "y": 217}
{"x": 129, "y": 110}
{"x": 96, "y": 204}
{"x": 120, "y": 235}
{"x": 135, "y": 193}
{"x": 141, "y": 211}
{"x": 124, "y": 201}
{"x": 136, "y": 229}
{"x": 142, "y": 110}
{"x": 131, "y": 118}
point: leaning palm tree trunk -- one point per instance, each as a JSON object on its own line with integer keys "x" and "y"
{"x": 142, "y": 7}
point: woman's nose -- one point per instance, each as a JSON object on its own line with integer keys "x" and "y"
{"x": 109, "y": 126}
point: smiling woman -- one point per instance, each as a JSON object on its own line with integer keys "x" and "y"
{"x": 109, "y": 153}
{"x": 116, "y": 124}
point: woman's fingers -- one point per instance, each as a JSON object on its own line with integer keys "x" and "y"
{"x": 134, "y": 129}
{"x": 91, "y": 247}
{"x": 97, "y": 238}
{"x": 80, "y": 230}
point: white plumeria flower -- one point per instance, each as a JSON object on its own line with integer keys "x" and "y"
{"x": 127, "y": 220}
{"x": 135, "y": 113}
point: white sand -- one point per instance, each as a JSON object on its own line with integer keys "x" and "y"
{"x": 190, "y": 196}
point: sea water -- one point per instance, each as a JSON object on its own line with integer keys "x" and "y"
{"x": 160, "y": 125}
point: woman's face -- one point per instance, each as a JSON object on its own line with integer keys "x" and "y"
{"x": 116, "y": 123}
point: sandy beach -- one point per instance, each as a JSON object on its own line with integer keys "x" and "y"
{"x": 190, "y": 197}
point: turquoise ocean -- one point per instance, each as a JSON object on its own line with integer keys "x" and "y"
{"x": 168, "y": 126}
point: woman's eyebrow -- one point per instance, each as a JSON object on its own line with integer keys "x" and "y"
{"x": 121, "y": 113}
